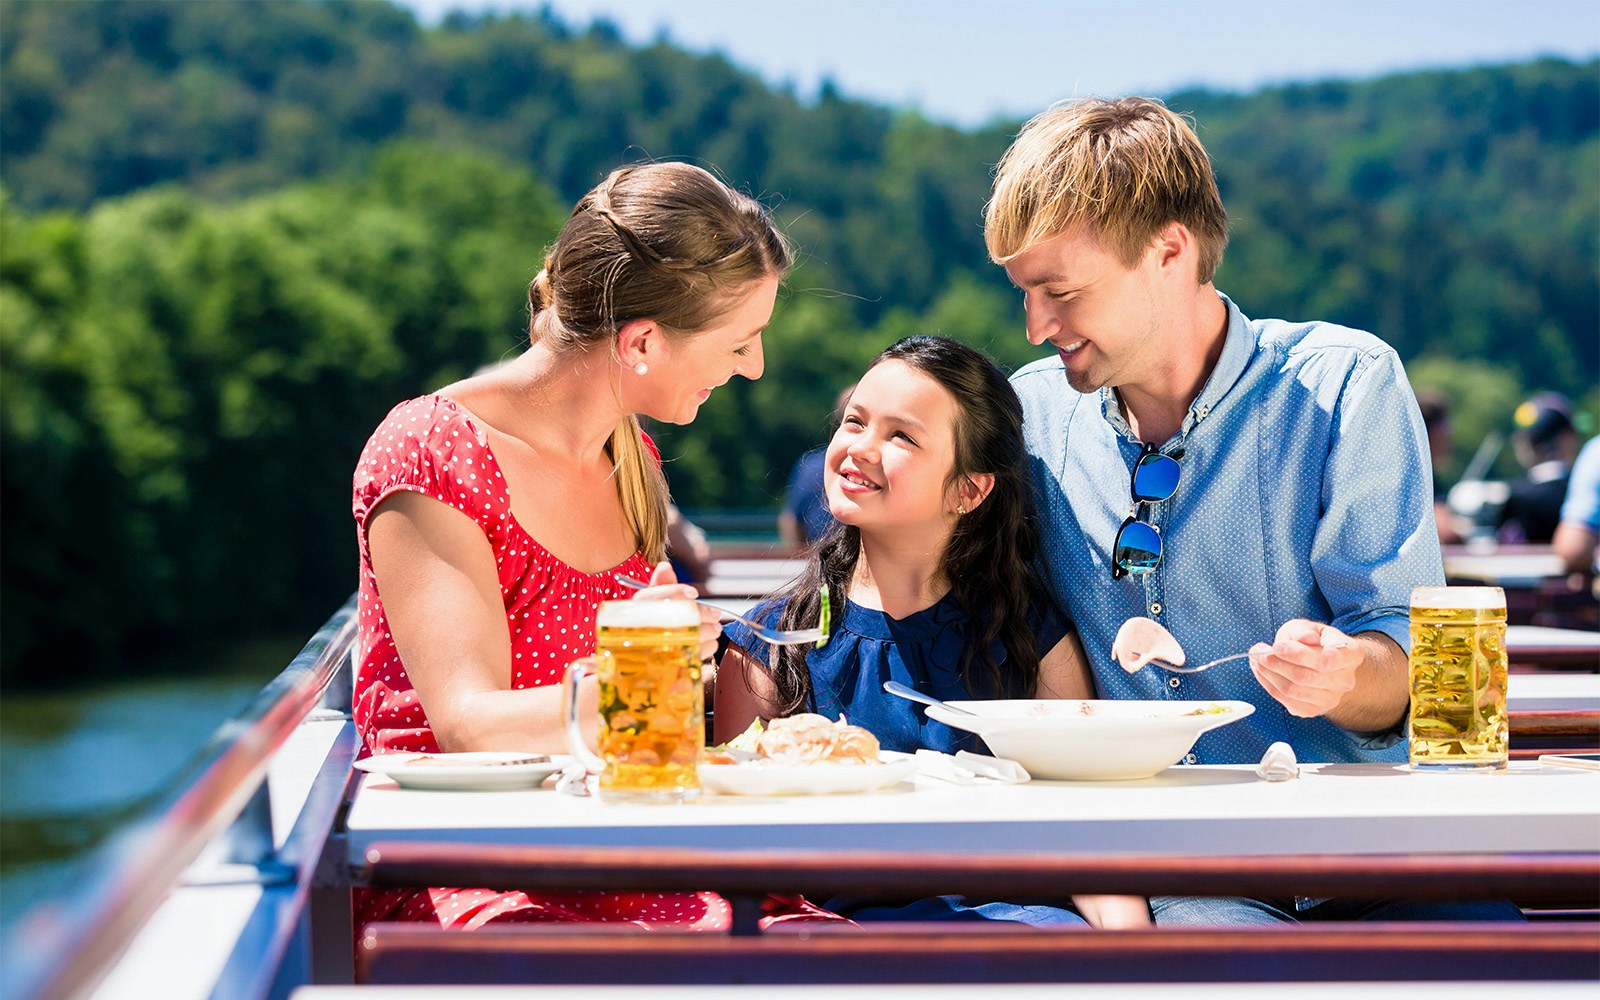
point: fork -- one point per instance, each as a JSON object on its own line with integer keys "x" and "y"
{"x": 777, "y": 637}
{"x": 1156, "y": 661}
{"x": 1174, "y": 668}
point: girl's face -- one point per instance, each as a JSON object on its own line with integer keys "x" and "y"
{"x": 889, "y": 463}
{"x": 683, "y": 372}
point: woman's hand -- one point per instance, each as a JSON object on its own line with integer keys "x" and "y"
{"x": 664, "y": 586}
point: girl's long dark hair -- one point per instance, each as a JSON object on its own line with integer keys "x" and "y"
{"x": 989, "y": 560}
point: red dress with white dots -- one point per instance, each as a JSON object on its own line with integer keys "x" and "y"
{"x": 432, "y": 446}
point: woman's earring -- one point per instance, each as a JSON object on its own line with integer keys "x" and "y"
{"x": 961, "y": 510}
{"x": 640, "y": 368}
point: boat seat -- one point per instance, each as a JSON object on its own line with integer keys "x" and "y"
{"x": 533, "y": 954}
{"x": 1537, "y": 732}
{"x": 1549, "y": 881}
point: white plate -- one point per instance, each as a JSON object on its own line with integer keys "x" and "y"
{"x": 480, "y": 771}
{"x": 1092, "y": 740}
{"x": 806, "y": 779}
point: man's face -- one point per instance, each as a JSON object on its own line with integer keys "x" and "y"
{"x": 1102, "y": 317}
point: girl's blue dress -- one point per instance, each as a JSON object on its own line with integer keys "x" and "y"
{"x": 922, "y": 651}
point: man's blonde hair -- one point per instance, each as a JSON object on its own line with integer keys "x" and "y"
{"x": 1125, "y": 167}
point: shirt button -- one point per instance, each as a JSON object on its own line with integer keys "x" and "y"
{"x": 1173, "y": 682}
{"x": 1155, "y": 607}
{"x": 1190, "y": 759}
{"x": 1205, "y": 411}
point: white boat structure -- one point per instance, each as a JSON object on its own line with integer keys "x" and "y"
{"x": 236, "y": 886}
{"x": 222, "y": 889}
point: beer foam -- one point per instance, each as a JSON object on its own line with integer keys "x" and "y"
{"x": 1458, "y": 597}
{"x": 645, "y": 613}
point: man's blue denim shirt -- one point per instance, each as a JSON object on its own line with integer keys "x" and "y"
{"x": 1306, "y": 492}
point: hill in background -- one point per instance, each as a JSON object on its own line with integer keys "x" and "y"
{"x": 235, "y": 234}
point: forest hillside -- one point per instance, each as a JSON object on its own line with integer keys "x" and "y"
{"x": 233, "y": 235}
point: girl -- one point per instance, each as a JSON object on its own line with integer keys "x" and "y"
{"x": 495, "y": 515}
{"x": 933, "y": 555}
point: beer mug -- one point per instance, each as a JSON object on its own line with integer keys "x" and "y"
{"x": 652, "y": 707}
{"x": 1458, "y": 678}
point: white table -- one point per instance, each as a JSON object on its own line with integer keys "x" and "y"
{"x": 1220, "y": 811}
{"x": 1549, "y": 692}
{"x": 1504, "y": 569}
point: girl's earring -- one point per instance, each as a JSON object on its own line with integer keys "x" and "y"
{"x": 961, "y": 510}
{"x": 640, "y": 368}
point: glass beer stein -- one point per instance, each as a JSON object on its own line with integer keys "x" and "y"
{"x": 1458, "y": 678}
{"x": 652, "y": 705}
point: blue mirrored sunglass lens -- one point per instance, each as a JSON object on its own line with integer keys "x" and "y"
{"x": 1138, "y": 548}
{"x": 1155, "y": 478}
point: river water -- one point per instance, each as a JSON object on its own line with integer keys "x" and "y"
{"x": 75, "y": 764}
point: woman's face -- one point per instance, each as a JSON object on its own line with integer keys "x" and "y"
{"x": 687, "y": 369}
{"x": 889, "y": 463}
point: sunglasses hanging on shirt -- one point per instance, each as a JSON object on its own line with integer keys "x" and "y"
{"x": 1137, "y": 549}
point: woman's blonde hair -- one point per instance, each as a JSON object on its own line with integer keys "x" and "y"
{"x": 1125, "y": 167}
{"x": 662, "y": 241}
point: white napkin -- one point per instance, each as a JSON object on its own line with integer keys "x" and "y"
{"x": 1278, "y": 763}
{"x": 966, "y": 768}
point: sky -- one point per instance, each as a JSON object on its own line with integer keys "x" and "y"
{"x": 970, "y": 61}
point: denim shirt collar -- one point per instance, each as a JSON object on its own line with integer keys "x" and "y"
{"x": 1238, "y": 346}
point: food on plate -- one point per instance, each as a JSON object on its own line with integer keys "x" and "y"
{"x": 424, "y": 760}
{"x": 1141, "y": 640}
{"x": 799, "y": 739}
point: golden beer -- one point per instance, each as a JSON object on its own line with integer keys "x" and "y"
{"x": 1458, "y": 678}
{"x": 652, "y": 705}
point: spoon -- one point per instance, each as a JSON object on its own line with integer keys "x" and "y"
{"x": 912, "y": 694}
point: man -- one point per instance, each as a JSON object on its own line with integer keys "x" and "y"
{"x": 1302, "y": 513}
{"x": 1435, "y": 407}
{"x": 1546, "y": 442}
{"x": 1578, "y": 534}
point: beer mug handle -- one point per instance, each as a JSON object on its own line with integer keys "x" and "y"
{"x": 576, "y": 671}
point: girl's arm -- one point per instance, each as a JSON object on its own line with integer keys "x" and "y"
{"x": 743, "y": 693}
{"x": 1114, "y": 912}
{"x": 1064, "y": 671}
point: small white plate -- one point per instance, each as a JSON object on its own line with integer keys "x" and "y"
{"x": 806, "y": 779}
{"x": 485, "y": 770}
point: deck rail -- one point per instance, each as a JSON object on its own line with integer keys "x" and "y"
{"x": 217, "y": 803}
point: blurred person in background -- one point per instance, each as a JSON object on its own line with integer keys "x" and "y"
{"x": 1579, "y": 531}
{"x": 687, "y": 548}
{"x": 1546, "y": 442}
{"x": 805, "y": 517}
{"x": 1435, "y": 407}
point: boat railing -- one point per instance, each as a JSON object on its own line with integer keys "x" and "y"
{"x": 221, "y": 843}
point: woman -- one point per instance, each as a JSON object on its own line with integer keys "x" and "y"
{"x": 495, "y": 515}
{"x": 933, "y": 557}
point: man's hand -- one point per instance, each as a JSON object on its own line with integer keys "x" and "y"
{"x": 1309, "y": 667}
{"x": 1357, "y": 682}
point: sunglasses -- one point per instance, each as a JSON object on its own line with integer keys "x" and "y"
{"x": 1137, "y": 548}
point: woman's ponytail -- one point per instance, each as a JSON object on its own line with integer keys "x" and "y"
{"x": 641, "y": 487}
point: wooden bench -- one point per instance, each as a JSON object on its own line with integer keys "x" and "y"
{"x": 549, "y": 954}
{"x": 1535, "y": 732}
{"x": 1566, "y": 878}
